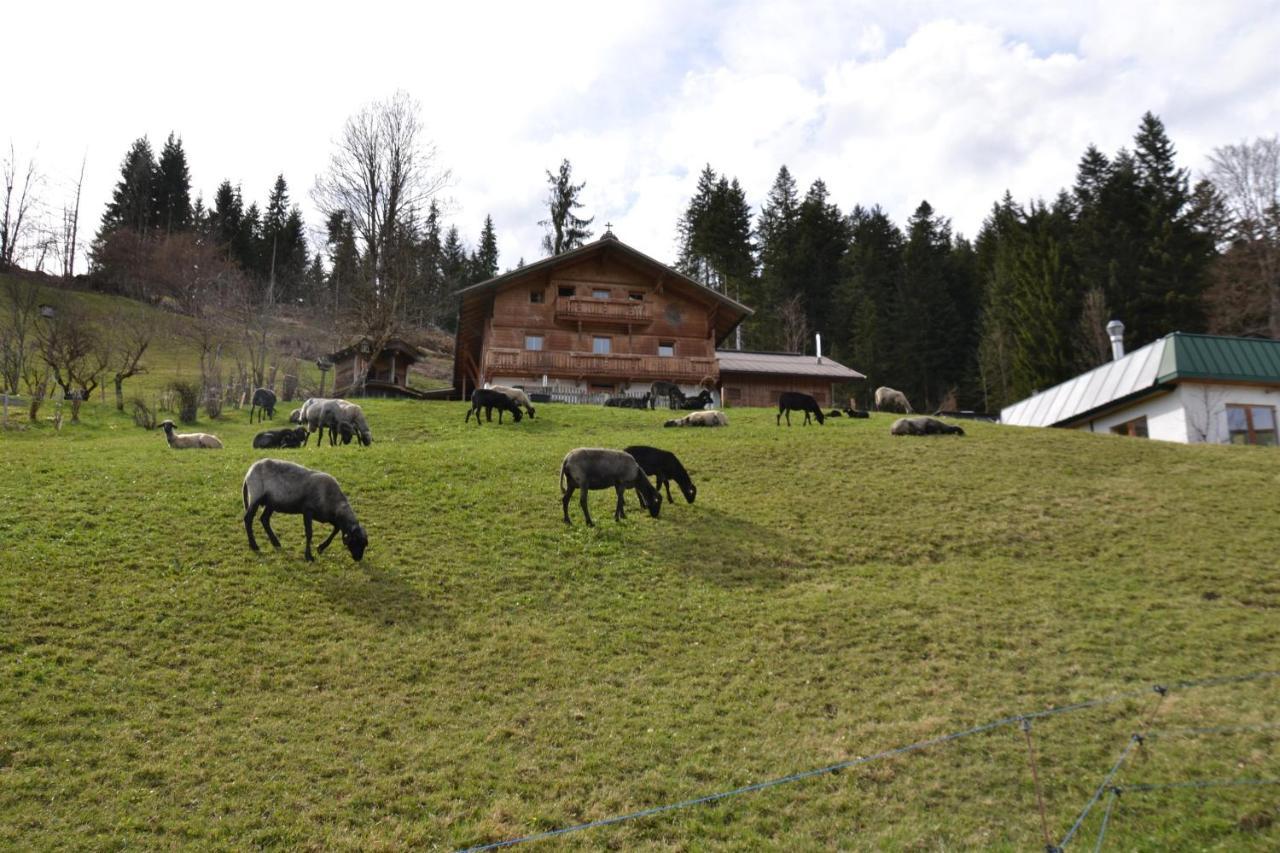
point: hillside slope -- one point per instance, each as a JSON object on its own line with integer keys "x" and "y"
{"x": 487, "y": 671}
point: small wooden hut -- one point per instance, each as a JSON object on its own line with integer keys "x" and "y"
{"x": 388, "y": 369}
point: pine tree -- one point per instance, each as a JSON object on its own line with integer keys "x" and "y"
{"x": 865, "y": 303}
{"x": 172, "y": 189}
{"x": 484, "y": 261}
{"x": 454, "y": 270}
{"x": 226, "y": 218}
{"x": 344, "y": 260}
{"x": 132, "y": 203}
{"x": 820, "y": 236}
{"x": 565, "y": 230}
{"x": 775, "y": 232}
{"x": 429, "y": 302}
{"x": 715, "y": 237}
{"x": 928, "y": 316}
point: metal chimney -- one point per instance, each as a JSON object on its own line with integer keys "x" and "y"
{"x": 1115, "y": 331}
{"x": 817, "y": 338}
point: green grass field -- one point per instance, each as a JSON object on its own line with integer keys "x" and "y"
{"x": 487, "y": 672}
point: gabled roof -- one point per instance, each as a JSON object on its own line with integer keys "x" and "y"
{"x": 784, "y": 364}
{"x": 1149, "y": 370}
{"x": 397, "y": 344}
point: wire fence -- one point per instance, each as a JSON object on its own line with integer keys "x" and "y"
{"x": 1136, "y": 740}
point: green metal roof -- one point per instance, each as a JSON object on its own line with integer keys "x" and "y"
{"x": 1214, "y": 357}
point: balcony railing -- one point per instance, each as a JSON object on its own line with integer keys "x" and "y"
{"x": 618, "y": 366}
{"x": 628, "y": 311}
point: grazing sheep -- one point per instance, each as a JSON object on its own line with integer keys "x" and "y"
{"x": 351, "y": 420}
{"x": 923, "y": 426}
{"x": 596, "y": 468}
{"x": 264, "y": 403}
{"x": 517, "y": 396}
{"x": 789, "y": 400}
{"x": 183, "y": 441}
{"x": 666, "y": 467}
{"x": 891, "y": 400}
{"x": 699, "y": 401}
{"x": 320, "y": 414}
{"x": 484, "y": 398}
{"x": 274, "y": 485}
{"x": 670, "y": 390}
{"x": 284, "y": 437}
{"x": 707, "y": 419}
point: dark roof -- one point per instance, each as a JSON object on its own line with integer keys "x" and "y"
{"x": 784, "y": 364}
{"x": 397, "y": 344}
{"x": 1150, "y": 369}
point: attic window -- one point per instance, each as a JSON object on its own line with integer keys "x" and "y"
{"x": 536, "y": 297}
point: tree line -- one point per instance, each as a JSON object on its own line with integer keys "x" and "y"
{"x": 981, "y": 323}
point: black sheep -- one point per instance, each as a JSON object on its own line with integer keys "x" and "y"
{"x": 923, "y": 426}
{"x": 789, "y": 400}
{"x": 597, "y": 468}
{"x": 666, "y": 467}
{"x": 483, "y": 398}
{"x": 700, "y": 401}
{"x": 264, "y": 404}
{"x": 284, "y": 437}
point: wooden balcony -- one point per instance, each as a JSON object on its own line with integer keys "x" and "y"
{"x": 614, "y": 366}
{"x": 630, "y": 312}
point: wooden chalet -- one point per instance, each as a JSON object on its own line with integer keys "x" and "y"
{"x": 388, "y": 369}
{"x": 757, "y": 378}
{"x": 603, "y": 318}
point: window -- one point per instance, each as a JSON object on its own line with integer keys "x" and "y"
{"x": 1251, "y": 424}
{"x": 600, "y": 293}
{"x": 533, "y": 343}
{"x": 666, "y": 348}
{"x": 1136, "y": 428}
{"x": 636, "y": 296}
{"x": 567, "y": 290}
{"x": 601, "y": 346}
{"x": 536, "y": 297}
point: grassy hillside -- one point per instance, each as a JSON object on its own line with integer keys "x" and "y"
{"x": 487, "y": 672}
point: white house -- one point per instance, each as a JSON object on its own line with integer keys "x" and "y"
{"x": 1188, "y": 388}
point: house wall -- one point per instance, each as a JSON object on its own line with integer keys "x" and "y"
{"x": 762, "y": 390}
{"x": 1193, "y": 412}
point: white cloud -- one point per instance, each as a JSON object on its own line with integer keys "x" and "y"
{"x": 954, "y": 102}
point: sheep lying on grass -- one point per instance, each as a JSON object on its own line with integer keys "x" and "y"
{"x": 517, "y": 396}
{"x": 182, "y": 441}
{"x": 892, "y": 400}
{"x": 707, "y": 419}
{"x": 595, "y": 468}
{"x": 488, "y": 399}
{"x": 274, "y": 485}
{"x": 664, "y": 465}
{"x": 923, "y": 426}
{"x": 283, "y": 437}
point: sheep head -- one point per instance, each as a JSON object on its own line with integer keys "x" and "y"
{"x": 690, "y": 493}
{"x": 167, "y": 426}
{"x": 356, "y": 541}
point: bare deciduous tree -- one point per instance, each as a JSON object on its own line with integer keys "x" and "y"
{"x": 76, "y": 355}
{"x": 128, "y": 337}
{"x": 381, "y": 171}
{"x": 19, "y": 314}
{"x": 15, "y": 217}
{"x": 70, "y": 237}
{"x": 1247, "y": 176}
{"x": 795, "y": 324}
{"x": 1093, "y": 347}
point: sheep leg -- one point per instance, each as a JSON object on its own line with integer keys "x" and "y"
{"x": 500, "y": 412}
{"x": 585, "y": 513}
{"x": 325, "y": 543}
{"x": 620, "y": 511}
{"x": 488, "y": 414}
{"x": 248, "y": 523}
{"x": 565, "y": 501}
{"x": 306, "y": 525}
{"x": 266, "y": 525}
{"x": 666, "y": 482}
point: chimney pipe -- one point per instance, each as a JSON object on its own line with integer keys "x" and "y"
{"x": 1115, "y": 331}
{"x": 817, "y": 338}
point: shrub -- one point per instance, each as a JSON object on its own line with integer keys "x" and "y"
{"x": 213, "y": 401}
{"x": 143, "y": 416}
{"x": 187, "y": 396}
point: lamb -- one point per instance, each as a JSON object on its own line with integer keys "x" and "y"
{"x": 517, "y": 396}
{"x": 274, "y": 485}
{"x": 183, "y": 441}
{"x": 264, "y": 403}
{"x": 666, "y": 467}
{"x": 596, "y": 468}
{"x": 707, "y": 419}
{"x": 789, "y": 400}
{"x": 488, "y": 399}
{"x": 923, "y": 426}
{"x": 284, "y": 437}
{"x": 888, "y": 398}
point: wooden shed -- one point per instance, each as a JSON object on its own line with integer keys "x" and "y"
{"x": 757, "y": 378}
{"x": 388, "y": 369}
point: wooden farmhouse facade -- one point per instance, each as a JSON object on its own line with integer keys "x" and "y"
{"x": 608, "y": 319}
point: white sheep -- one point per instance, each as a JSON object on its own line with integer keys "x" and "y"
{"x": 697, "y": 419}
{"x": 274, "y": 485}
{"x": 893, "y": 400}
{"x": 517, "y": 396}
{"x": 183, "y": 441}
{"x": 351, "y": 420}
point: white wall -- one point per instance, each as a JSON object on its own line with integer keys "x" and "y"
{"x": 1193, "y": 412}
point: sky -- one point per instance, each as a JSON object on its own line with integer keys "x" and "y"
{"x": 888, "y": 103}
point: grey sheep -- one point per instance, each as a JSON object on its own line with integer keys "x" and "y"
{"x": 274, "y": 485}
{"x": 597, "y": 468}
{"x": 517, "y": 396}
{"x": 892, "y": 400}
{"x": 923, "y": 426}
{"x": 706, "y": 419}
{"x": 184, "y": 441}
